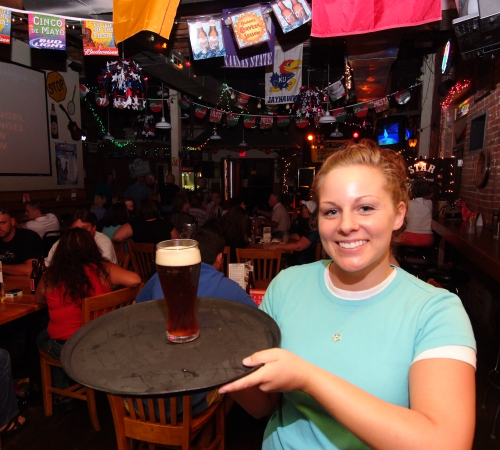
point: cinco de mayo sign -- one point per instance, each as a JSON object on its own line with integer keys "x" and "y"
{"x": 249, "y": 28}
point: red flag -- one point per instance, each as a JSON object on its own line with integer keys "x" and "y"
{"x": 200, "y": 111}
{"x": 344, "y": 17}
{"x": 302, "y": 122}
{"x": 266, "y": 122}
{"x": 215, "y": 116}
{"x": 249, "y": 121}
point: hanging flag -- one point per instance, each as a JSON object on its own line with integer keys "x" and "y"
{"x": 290, "y": 14}
{"x": 102, "y": 101}
{"x": 283, "y": 121}
{"x": 249, "y": 121}
{"x": 184, "y": 103}
{"x": 215, "y": 116}
{"x": 47, "y": 32}
{"x": 266, "y": 122}
{"x": 98, "y": 38}
{"x": 255, "y": 56}
{"x": 366, "y": 16}
{"x": 232, "y": 119}
{"x": 84, "y": 90}
{"x": 336, "y": 90}
{"x": 155, "y": 105}
{"x": 130, "y": 17}
{"x": 272, "y": 110}
{"x": 340, "y": 114}
{"x": 361, "y": 109}
{"x": 5, "y": 25}
{"x": 302, "y": 122}
{"x": 284, "y": 78}
{"x": 242, "y": 100}
{"x": 381, "y": 104}
{"x": 200, "y": 111}
{"x": 249, "y": 27}
{"x": 402, "y": 97}
{"x": 206, "y": 38}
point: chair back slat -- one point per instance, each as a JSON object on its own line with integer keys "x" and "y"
{"x": 140, "y": 409}
{"x": 266, "y": 263}
{"x": 163, "y": 414}
{"x": 151, "y": 411}
{"x": 123, "y": 259}
{"x": 118, "y": 246}
{"x": 173, "y": 407}
{"x": 98, "y": 305}
{"x": 143, "y": 259}
{"x": 131, "y": 408}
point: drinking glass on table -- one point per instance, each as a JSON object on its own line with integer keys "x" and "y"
{"x": 178, "y": 264}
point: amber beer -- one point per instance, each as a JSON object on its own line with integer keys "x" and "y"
{"x": 178, "y": 264}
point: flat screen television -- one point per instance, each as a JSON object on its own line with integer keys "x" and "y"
{"x": 390, "y": 132}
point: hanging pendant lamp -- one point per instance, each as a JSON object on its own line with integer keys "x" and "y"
{"x": 107, "y": 136}
{"x": 163, "y": 124}
{"x": 327, "y": 118}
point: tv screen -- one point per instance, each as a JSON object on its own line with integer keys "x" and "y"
{"x": 388, "y": 133}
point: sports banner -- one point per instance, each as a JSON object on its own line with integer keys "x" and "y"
{"x": 259, "y": 56}
{"x": 284, "y": 78}
{"x": 206, "y": 38}
{"x": 98, "y": 38}
{"x": 5, "y": 25}
{"x": 249, "y": 27}
{"x": 266, "y": 122}
{"x": 47, "y": 32}
{"x": 291, "y": 14}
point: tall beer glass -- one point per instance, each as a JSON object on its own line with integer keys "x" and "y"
{"x": 178, "y": 264}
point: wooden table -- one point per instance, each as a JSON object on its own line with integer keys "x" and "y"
{"x": 480, "y": 247}
{"x": 14, "y": 308}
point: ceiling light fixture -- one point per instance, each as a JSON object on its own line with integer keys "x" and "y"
{"x": 107, "y": 136}
{"x": 215, "y": 136}
{"x": 337, "y": 133}
{"x": 163, "y": 124}
{"x": 243, "y": 143}
{"x": 327, "y": 118}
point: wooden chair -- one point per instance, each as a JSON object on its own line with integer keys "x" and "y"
{"x": 143, "y": 259}
{"x": 119, "y": 246}
{"x": 266, "y": 264}
{"x": 123, "y": 259}
{"x": 142, "y": 424}
{"x": 92, "y": 307}
{"x": 225, "y": 265}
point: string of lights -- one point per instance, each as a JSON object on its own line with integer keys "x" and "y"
{"x": 453, "y": 91}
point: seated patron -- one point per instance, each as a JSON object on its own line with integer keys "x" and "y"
{"x": 234, "y": 226}
{"x": 18, "y": 246}
{"x": 148, "y": 227}
{"x": 87, "y": 220}
{"x": 214, "y": 208}
{"x": 138, "y": 191}
{"x": 198, "y": 210}
{"x": 38, "y": 220}
{"x": 98, "y": 207}
{"x": 418, "y": 232}
{"x": 179, "y": 215}
{"x": 105, "y": 187}
{"x": 279, "y": 219}
{"x": 115, "y": 218}
{"x": 167, "y": 193}
{"x": 129, "y": 203}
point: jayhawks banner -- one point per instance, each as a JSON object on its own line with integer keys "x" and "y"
{"x": 47, "y": 32}
{"x": 206, "y": 38}
{"x": 5, "y": 25}
{"x": 215, "y": 116}
{"x": 98, "y": 38}
{"x": 345, "y": 17}
{"x": 284, "y": 79}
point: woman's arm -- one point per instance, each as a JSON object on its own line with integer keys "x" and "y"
{"x": 255, "y": 402}
{"x": 41, "y": 289}
{"x": 298, "y": 246}
{"x": 121, "y": 277}
{"x": 174, "y": 234}
{"x": 442, "y": 401}
{"x": 123, "y": 233}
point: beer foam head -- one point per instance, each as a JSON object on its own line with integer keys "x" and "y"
{"x": 178, "y": 256}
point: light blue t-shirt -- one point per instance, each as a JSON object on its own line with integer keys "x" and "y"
{"x": 379, "y": 342}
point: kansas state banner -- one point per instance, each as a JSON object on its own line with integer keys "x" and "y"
{"x": 284, "y": 79}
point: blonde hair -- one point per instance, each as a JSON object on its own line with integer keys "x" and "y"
{"x": 99, "y": 201}
{"x": 366, "y": 153}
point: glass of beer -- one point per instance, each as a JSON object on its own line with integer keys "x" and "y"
{"x": 178, "y": 264}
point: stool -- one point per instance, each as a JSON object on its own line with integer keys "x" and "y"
{"x": 416, "y": 266}
{"x": 450, "y": 279}
{"x": 493, "y": 379}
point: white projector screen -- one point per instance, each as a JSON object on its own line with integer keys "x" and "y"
{"x": 24, "y": 132}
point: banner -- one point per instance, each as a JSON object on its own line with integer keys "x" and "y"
{"x": 360, "y": 110}
{"x": 283, "y": 121}
{"x": 367, "y": 16}
{"x": 249, "y": 121}
{"x": 47, "y": 32}
{"x": 339, "y": 114}
{"x": 336, "y": 90}
{"x": 262, "y": 55}
{"x": 266, "y": 122}
{"x": 184, "y": 103}
{"x": 284, "y": 79}
{"x": 402, "y": 97}
{"x": 206, "y": 38}
{"x": 242, "y": 100}
{"x": 302, "y": 122}
{"x": 249, "y": 27}
{"x": 5, "y": 25}
{"x": 200, "y": 111}
{"x": 98, "y": 38}
{"x": 381, "y": 104}
{"x": 215, "y": 116}
{"x": 291, "y": 14}
{"x": 155, "y": 105}
{"x": 232, "y": 119}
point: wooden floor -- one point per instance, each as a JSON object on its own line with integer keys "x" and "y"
{"x": 73, "y": 431}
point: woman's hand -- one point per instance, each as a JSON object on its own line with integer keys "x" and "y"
{"x": 282, "y": 372}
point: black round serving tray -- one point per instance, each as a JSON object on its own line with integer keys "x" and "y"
{"x": 125, "y": 352}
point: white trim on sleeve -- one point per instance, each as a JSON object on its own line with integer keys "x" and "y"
{"x": 459, "y": 352}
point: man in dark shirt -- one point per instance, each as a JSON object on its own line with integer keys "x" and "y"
{"x": 167, "y": 192}
{"x": 18, "y": 246}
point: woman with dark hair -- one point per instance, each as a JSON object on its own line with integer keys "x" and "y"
{"x": 77, "y": 271}
{"x": 115, "y": 217}
{"x": 148, "y": 227}
{"x": 235, "y": 228}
